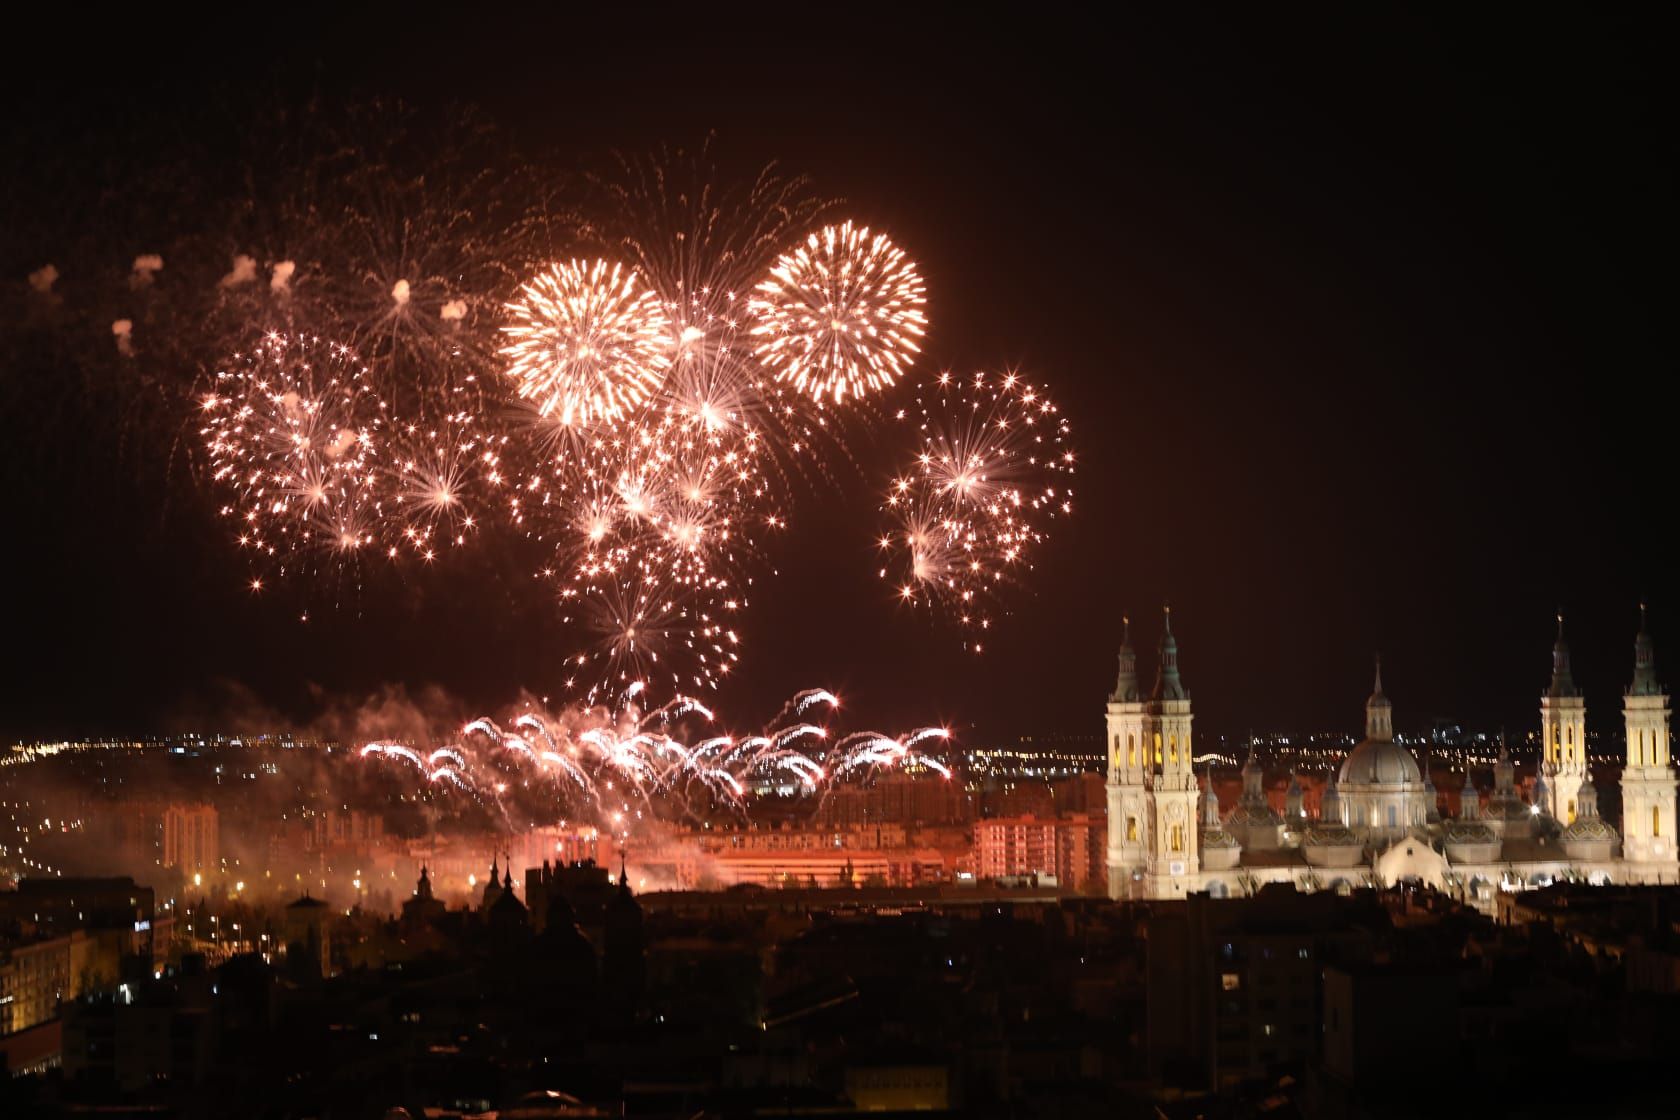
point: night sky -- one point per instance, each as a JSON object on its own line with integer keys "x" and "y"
{"x": 1364, "y": 324}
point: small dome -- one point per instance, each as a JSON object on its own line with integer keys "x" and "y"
{"x": 1218, "y": 838}
{"x": 1378, "y": 762}
{"x": 1330, "y": 836}
{"x": 1251, "y": 814}
{"x": 1507, "y": 809}
{"x": 1589, "y": 828}
{"x": 1469, "y": 832}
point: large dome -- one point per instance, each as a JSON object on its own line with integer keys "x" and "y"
{"x": 1378, "y": 762}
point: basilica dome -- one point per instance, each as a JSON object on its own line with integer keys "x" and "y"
{"x": 1379, "y": 760}
{"x": 1380, "y": 763}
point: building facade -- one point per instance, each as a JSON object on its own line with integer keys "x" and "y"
{"x": 192, "y": 838}
{"x": 1069, "y": 848}
{"x": 1380, "y": 820}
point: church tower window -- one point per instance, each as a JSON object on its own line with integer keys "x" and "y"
{"x": 1131, "y": 829}
{"x": 1131, "y": 749}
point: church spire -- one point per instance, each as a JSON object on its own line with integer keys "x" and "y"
{"x": 1644, "y": 662}
{"x": 1330, "y": 807}
{"x": 1379, "y": 713}
{"x": 1586, "y": 799}
{"x": 1469, "y": 801}
{"x": 1210, "y": 801}
{"x": 1542, "y": 794}
{"x": 1126, "y": 684}
{"x": 1168, "y": 686}
{"x": 1563, "y": 682}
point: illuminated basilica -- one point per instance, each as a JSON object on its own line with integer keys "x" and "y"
{"x": 1380, "y": 820}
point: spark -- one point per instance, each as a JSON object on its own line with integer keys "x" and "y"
{"x": 992, "y": 470}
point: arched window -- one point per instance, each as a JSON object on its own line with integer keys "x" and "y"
{"x": 1172, "y": 749}
{"x": 1131, "y": 749}
{"x": 1157, "y": 748}
{"x": 1656, "y": 820}
{"x": 1391, "y": 816}
{"x": 1571, "y": 812}
{"x": 1178, "y": 838}
{"x": 1131, "y": 829}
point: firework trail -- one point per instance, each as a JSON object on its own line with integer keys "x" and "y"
{"x": 621, "y": 762}
{"x": 993, "y": 469}
{"x": 402, "y": 235}
{"x": 645, "y": 627}
{"x": 701, "y": 245}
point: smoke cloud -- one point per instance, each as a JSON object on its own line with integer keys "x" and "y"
{"x": 146, "y": 268}
{"x": 244, "y": 271}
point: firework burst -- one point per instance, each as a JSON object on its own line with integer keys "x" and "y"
{"x": 291, "y": 428}
{"x": 588, "y": 343}
{"x": 992, "y": 470}
{"x": 840, "y": 316}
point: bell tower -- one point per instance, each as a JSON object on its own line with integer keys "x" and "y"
{"x": 1172, "y": 864}
{"x": 1648, "y": 840}
{"x": 1128, "y": 802}
{"x": 1563, "y": 734}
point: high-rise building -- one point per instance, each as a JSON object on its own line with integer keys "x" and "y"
{"x": 1071, "y": 848}
{"x": 191, "y": 837}
{"x": 897, "y": 798}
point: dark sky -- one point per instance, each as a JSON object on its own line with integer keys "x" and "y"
{"x": 1363, "y": 322}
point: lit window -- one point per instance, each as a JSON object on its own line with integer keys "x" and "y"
{"x": 1231, "y": 981}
